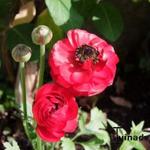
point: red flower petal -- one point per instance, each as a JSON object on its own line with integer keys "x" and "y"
{"x": 48, "y": 135}
{"x": 52, "y": 109}
{"x": 91, "y": 75}
{"x": 71, "y": 125}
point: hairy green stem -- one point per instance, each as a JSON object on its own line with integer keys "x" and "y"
{"x": 23, "y": 87}
{"x": 42, "y": 65}
{"x": 39, "y": 143}
{"x": 53, "y": 146}
{"x": 41, "y": 76}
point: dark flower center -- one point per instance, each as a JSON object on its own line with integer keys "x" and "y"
{"x": 86, "y": 52}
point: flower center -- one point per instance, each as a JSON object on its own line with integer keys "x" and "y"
{"x": 86, "y": 52}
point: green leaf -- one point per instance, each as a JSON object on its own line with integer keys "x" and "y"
{"x": 129, "y": 145}
{"x": 22, "y": 34}
{"x": 12, "y": 145}
{"x": 137, "y": 145}
{"x": 45, "y": 19}
{"x": 67, "y": 144}
{"x": 137, "y": 129}
{"x": 97, "y": 121}
{"x": 108, "y": 21}
{"x": 103, "y": 136}
{"x": 59, "y": 10}
{"x": 145, "y": 133}
{"x": 95, "y": 127}
{"x": 75, "y": 21}
{"x": 84, "y": 7}
{"x": 93, "y": 144}
{"x": 126, "y": 145}
{"x": 114, "y": 125}
{"x": 82, "y": 121}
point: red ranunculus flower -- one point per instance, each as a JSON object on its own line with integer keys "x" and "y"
{"x": 55, "y": 112}
{"x": 83, "y": 63}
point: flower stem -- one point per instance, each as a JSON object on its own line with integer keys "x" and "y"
{"x": 39, "y": 143}
{"x": 23, "y": 87}
{"x": 41, "y": 76}
{"x": 22, "y": 73}
{"x": 53, "y": 146}
{"x": 42, "y": 65}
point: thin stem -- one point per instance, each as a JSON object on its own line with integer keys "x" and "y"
{"x": 42, "y": 65}
{"x": 23, "y": 86}
{"x": 39, "y": 143}
{"x": 41, "y": 76}
{"x": 53, "y": 146}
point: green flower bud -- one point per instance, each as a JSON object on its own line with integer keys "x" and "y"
{"x": 21, "y": 53}
{"x": 41, "y": 35}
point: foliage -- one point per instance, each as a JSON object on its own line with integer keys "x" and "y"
{"x": 136, "y": 131}
{"x": 96, "y": 126}
{"x": 11, "y": 145}
{"x": 104, "y": 17}
{"x": 68, "y": 144}
{"x": 108, "y": 21}
{"x": 56, "y": 8}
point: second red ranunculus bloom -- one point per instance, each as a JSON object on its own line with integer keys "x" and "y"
{"x": 55, "y": 112}
{"x": 83, "y": 63}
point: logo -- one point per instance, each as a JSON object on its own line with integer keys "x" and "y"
{"x": 128, "y": 137}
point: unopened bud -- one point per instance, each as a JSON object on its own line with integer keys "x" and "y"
{"x": 21, "y": 53}
{"x": 41, "y": 35}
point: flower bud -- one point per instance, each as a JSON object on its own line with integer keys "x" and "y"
{"x": 41, "y": 35}
{"x": 21, "y": 53}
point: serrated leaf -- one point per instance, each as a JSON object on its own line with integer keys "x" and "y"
{"x": 103, "y": 136}
{"x": 68, "y": 144}
{"x": 75, "y": 21}
{"x": 129, "y": 145}
{"x": 119, "y": 130}
{"x": 108, "y": 21}
{"x": 95, "y": 127}
{"x": 12, "y": 145}
{"x": 137, "y": 129}
{"x": 97, "y": 121}
{"x": 45, "y": 19}
{"x": 133, "y": 124}
{"x": 145, "y": 133}
{"x": 59, "y": 10}
{"x": 22, "y": 34}
{"x": 82, "y": 121}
